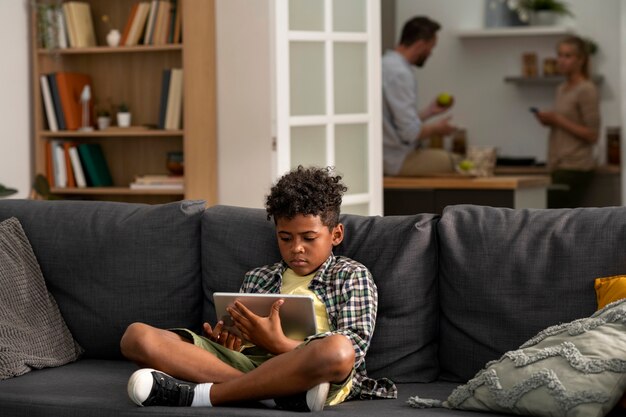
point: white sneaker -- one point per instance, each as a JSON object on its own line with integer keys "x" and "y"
{"x": 312, "y": 400}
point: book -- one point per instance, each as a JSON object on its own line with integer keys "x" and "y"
{"x": 165, "y": 85}
{"x": 56, "y": 101}
{"x": 138, "y": 25}
{"x": 69, "y": 23}
{"x": 48, "y": 105}
{"x": 49, "y": 164}
{"x": 177, "y": 26}
{"x": 58, "y": 161}
{"x": 95, "y": 165}
{"x": 148, "y": 37}
{"x": 77, "y": 167}
{"x": 172, "y": 21}
{"x": 159, "y": 179}
{"x": 82, "y": 22}
{"x": 70, "y": 86}
{"x": 61, "y": 28}
{"x": 174, "y": 100}
{"x": 129, "y": 23}
{"x": 161, "y": 23}
{"x": 71, "y": 181}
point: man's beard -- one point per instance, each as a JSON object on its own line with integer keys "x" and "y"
{"x": 421, "y": 60}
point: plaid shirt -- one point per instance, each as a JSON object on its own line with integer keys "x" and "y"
{"x": 347, "y": 289}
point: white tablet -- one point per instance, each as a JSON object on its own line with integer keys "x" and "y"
{"x": 297, "y": 315}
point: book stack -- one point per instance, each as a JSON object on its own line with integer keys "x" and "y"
{"x": 156, "y": 22}
{"x": 170, "y": 109}
{"x": 158, "y": 182}
{"x": 61, "y": 99}
{"x": 72, "y": 165}
{"x": 79, "y": 24}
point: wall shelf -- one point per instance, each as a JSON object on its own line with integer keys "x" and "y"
{"x": 515, "y": 31}
{"x": 520, "y": 80}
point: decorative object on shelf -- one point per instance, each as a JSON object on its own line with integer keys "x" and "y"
{"x": 540, "y": 12}
{"x": 499, "y": 13}
{"x": 41, "y": 189}
{"x": 613, "y": 146}
{"x": 175, "y": 163}
{"x": 114, "y": 35}
{"x": 104, "y": 119}
{"x": 529, "y": 64}
{"x": 123, "y": 115}
{"x": 549, "y": 67}
{"x": 85, "y": 99}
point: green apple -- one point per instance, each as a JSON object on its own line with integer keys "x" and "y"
{"x": 466, "y": 165}
{"x": 444, "y": 99}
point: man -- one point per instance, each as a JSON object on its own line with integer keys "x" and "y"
{"x": 403, "y": 127}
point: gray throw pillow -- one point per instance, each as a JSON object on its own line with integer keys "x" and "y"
{"x": 573, "y": 369}
{"x": 33, "y": 334}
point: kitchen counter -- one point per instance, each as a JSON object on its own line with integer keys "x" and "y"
{"x": 409, "y": 195}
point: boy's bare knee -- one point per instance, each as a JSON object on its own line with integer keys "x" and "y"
{"x": 336, "y": 354}
{"x": 132, "y": 339}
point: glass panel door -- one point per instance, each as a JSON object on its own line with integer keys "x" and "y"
{"x": 328, "y": 94}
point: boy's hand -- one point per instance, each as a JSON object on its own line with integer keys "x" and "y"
{"x": 265, "y": 332}
{"x": 222, "y": 336}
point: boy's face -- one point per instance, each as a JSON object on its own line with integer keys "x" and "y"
{"x": 305, "y": 242}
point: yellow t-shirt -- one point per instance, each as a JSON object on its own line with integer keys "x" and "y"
{"x": 297, "y": 285}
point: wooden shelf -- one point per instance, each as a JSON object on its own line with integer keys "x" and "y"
{"x": 134, "y": 75}
{"x": 111, "y": 49}
{"x": 598, "y": 79}
{"x": 113, "y": 191}
{"x": 117, "y": 133}
{"x": 516, "y": 31}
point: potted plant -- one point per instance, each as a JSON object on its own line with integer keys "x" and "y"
{"x": 541, "y": 12}
{"x": 103, "y": 119}
{"x": 123, "y": 115}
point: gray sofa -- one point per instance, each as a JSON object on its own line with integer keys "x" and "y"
{"x": 455, "y": 290}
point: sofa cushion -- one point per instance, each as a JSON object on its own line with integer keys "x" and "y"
{"x": 110, "y": 264}
{"x": 33, "y": 334}
{"x": 506, "y": 274}
{"x": 610, "y": 289}
{"x": 399, "y": 251}
{"x": 573, "y": 369}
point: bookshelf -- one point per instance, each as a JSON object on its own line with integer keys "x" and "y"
{"x": 133, "y": 74}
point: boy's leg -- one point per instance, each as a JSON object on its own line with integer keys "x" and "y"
{"x": 168, "y": 352}
{"x": 330, "y": 359}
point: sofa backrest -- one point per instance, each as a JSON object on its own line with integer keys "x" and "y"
{"x": 506, "y": 274}
{"x": 110, "y": 264}
{"x": 400, "y": 252}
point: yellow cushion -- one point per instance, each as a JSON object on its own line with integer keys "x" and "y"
{"x": 610, "y": 289}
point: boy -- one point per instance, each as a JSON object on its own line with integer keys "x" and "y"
{"x": 325, "y": 369}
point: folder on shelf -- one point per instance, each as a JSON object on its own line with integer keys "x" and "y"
{"x": 70, "y": 86}
{"x": 95, "y": 165}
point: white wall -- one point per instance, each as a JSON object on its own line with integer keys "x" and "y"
{"x": 244, "y": 125}
{"x": 494, "y": 112}
{"x": 15, "y": 107}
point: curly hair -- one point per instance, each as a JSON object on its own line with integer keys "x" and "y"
{"x": 307, "y": 191}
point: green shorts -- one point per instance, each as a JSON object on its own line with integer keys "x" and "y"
{"x": 253, "y": 358}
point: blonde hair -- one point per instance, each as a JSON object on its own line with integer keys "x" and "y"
{"x": 582, "y": 48}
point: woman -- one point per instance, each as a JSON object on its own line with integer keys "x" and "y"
{"x": 574, "y": 124}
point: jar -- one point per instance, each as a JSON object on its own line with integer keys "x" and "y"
{"x": 459, "y": 142}
{"x": 613, "y": 148}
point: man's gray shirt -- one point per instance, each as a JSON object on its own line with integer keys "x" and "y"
{"x": 401, "y": 123}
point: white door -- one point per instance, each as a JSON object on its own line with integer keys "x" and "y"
{"x": 328, "y": 93}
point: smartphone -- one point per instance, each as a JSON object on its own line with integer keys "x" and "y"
{"x": 534, "y": 110}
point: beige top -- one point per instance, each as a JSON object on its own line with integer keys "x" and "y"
{"x": 580, "y": 105}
